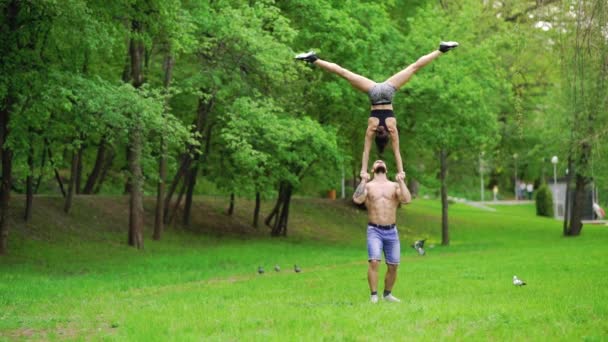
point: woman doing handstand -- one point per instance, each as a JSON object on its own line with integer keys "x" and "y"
{"x": 381, "y": 122}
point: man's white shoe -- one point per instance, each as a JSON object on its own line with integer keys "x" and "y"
{"x": 373, "y": 299}
{"x": 392, "y": 299}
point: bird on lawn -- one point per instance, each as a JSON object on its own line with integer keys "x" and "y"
{"x": 277, "y": 268}
{"x": 418, "y": 247}
{"x": 518, "y": 282}
{"x": 297, "y": 268}
{"x": 260, "y": 270}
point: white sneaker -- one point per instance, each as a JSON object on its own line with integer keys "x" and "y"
{"x": 392, "y": 299}
{"x": 373, "y": 299}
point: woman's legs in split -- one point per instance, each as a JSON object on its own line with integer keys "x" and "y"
{"x": 357, "y": 81}
{"x": 403, "y": 76}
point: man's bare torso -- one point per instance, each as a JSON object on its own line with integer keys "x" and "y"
{"x": 382, "y": 202}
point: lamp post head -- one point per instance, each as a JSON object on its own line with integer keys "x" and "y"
{"x": 554, "y": 160}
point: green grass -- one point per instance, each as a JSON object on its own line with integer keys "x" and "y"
{"x": 73, "y": 277}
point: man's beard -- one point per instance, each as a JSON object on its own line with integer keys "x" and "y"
{"x": 380, "y": 169}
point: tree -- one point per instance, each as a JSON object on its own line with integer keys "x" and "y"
{"x": 583, "y": 51}
{"x": 261, "y": 141}
{"x": 457, "y": 100}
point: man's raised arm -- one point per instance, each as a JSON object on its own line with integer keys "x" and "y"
{"x": 361, "y": 193}
{"x": 403, "y": 193}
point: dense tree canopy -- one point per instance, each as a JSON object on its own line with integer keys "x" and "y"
{"x": 116, "y": 96}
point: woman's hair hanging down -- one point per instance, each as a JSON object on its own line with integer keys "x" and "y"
{"x": 381, "y": 141}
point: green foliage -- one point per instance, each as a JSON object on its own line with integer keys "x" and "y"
{"x": 262, "y": 146}
{"x": 544, "y": 201}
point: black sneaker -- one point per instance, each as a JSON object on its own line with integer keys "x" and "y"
{"x": 309, "y": 57}
{"x": 447, "y": 46}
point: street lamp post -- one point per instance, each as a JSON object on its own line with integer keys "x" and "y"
{"x": 481, "y": 174}
{"x": 554, "y": 161}
{"x": 515, "y": 178}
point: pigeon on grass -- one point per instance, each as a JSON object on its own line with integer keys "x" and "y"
{"x": 277, "y": 268}
{"x": 297, "y": 269}
{"x": 518, "y": 282}
{"x": 418, "y": 247}
{"x": 260, "y": 270}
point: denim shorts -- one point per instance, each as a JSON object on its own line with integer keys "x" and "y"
{"x": 387, "y": 241}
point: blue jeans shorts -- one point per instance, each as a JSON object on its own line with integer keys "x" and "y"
{"x": 387, "y": 241}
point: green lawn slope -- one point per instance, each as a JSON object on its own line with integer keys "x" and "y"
{"x": 72, "y": 277}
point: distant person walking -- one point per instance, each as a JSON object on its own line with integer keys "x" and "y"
{"x": 529, "y": 190}
{"x": 495, "y": 192}
{"x": 382, "y": 197}
{"x": 522, "y": 190}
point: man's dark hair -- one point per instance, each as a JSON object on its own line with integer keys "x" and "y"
{"x": 381, "y": 140}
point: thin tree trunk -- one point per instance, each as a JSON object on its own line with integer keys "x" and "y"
{"x": 578, "y": 203}
{"x": 136, "y": 217}
{"x": 189, "y": 193}
{"x": 78, "y": 182}
{"x": 42, "y": 164}
{"x": 567, "y": 200}
{"x": 256, "y": 210}
{"x": 104, "y": 171}
{"x": 7, "y": 165}
{"x": 178, "y": 202}
{"x": 136, "y": 221}
{"x": 29, "y": 185}
{"x": 71, "y": 185}
{"x": 445, "y": 234}
{"x": 273, "y": 213}
{"x": 231, "y": 206}
{"x": 11, "y": 13}
{"x": 185, "y": 164}
{"x": 57, "y": 176}
{"x": 159, "y": 218}
{"x": 162, "y": 163}
{"x": 94, "y": 175}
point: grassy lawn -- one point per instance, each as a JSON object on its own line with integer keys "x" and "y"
{"x": 73, "y": 277}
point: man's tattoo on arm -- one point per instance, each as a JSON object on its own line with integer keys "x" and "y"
{"x": 360, "y": 190}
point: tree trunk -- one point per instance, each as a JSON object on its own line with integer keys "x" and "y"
{"x": 136, "y": 217}
{"x": 7, "y": 165}
{"x": 159, "y": 218}
{"x": 178, "y": 202}
{"x": 104, "y": 171}
{"x": 94, "y": 175}
{"x": 78, "y": 182}
{"x": 231, "y": 206}
{"x": 189, "y": 193}
{"x": 280, "y": 225}
{"x": 185, "y": 164}
{"x": 42, "y": 164}
{"x": 578, "y": 200}
{"x": 29, "y": 184}
{"x": 204, "y": 108}
{"x": 567, "y": 201}
{"x": 6, "y": 154}
{"x": 445, "y": 234}
{"x": 71, "y": 185}
{"x": 256, "y": 210}
{"x": 273, "y": 213}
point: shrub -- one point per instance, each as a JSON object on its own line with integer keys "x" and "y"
{"x": 544, "y": 201}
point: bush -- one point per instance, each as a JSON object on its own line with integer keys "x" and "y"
{"x": 544, "y": 201}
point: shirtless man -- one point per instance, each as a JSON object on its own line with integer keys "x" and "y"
{"x": 382, "y": 197}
